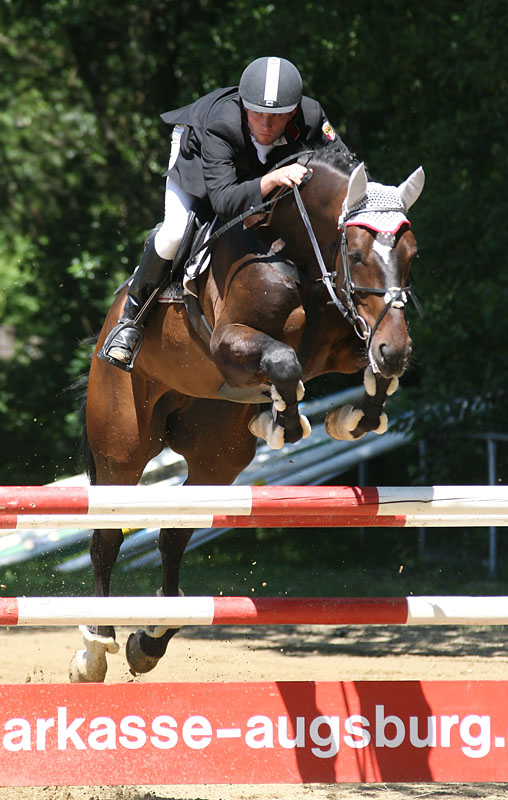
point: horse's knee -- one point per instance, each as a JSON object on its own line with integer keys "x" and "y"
{"x": 280, "y": 364}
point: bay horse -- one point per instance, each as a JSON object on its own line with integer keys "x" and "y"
{"x": 318, "y": 284}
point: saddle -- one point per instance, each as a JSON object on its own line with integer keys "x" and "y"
{"x": 193, "y": 237}
{"x": 174, "y": 290}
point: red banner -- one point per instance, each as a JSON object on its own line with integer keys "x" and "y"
{"x": 287, "y": 732}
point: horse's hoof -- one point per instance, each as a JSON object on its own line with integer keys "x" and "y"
{"x": 86, "y": 667}
{"x": 139, "y": 661}
{"x": 90, "y": 665}
{"x": 341, "y": 423}
{"x": 264, "y": 427}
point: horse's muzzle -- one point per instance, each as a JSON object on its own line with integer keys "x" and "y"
{"x": 390, "y": 359}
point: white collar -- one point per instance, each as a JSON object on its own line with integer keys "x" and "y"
{"x": 264, "y": 149}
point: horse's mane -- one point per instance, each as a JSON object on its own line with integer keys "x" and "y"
{"x": 337, "y": 159}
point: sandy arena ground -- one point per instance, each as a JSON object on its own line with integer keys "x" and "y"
{"x": 278, "y": 653}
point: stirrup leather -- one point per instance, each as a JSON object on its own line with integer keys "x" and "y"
{"x": 103, "y": 352}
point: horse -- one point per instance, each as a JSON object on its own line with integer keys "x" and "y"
{"x": 317, "y": 283}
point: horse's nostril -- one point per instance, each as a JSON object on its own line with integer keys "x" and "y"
{"x": 392, "y": 360}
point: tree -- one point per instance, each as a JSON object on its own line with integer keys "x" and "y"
{"x": 82, "y": 151}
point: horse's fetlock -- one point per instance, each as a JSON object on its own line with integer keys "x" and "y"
{"x": 265, "y": 427}
{"x": 343, "y": 421}
{"x": 155, "y": 645}
{"x": 90, "y": 665}
{"x": 95, "y": 641}
{"x": 155, "y": 631}
{"x": 289, "y": 410}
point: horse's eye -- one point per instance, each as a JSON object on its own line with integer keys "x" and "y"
{"x": 356, "y": 256}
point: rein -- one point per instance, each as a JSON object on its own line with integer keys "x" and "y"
{"x": 326, "y": 276}
{"x": 253, "y": 210}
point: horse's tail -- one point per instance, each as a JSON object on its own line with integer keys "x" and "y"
{"x": 88, "y": 459}
{"x": 80, "y": 389}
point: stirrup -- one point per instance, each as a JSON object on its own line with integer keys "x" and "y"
{"x": 104, "y": 356}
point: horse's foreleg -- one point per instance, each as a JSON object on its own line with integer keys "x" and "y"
{"x": 283, "y": 423}
{"x": 247, "y": 357}
{"x": 351, "y": 422}
{"x": 145, "y": 647}
{"x": 90, "y": 664}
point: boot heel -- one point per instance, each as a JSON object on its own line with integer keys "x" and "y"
{"x": 122, "y": 327}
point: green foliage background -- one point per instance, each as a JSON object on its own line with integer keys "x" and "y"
{"x": 82, "y": 151}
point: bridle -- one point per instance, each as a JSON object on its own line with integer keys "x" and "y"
{"x": 394, "y": 296}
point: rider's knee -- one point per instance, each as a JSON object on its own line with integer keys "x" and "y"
{"x": 177, "y": 205}
{"x": 167, "y": 239}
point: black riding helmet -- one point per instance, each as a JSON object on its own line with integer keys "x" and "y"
{"x": 271, "y": 85}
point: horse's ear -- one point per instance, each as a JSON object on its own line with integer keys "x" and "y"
{"x": 411, "y": 189}
{"x": 357, "y": 186}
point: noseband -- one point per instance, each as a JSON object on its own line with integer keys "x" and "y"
{"x": 394, "y": 297}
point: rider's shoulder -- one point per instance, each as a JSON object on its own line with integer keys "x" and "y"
{"x": 311, "y": 109}
{"x": 195, "y": 113}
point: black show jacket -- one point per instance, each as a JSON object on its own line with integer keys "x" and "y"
{"x": 218, "y": 159}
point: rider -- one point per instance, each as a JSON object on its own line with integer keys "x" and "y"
{"x": 223, "y": 146}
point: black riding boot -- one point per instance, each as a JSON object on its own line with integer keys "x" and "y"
{"x": 124, "y": 340}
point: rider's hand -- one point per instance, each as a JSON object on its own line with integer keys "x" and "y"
{"x": 290, "y": 175}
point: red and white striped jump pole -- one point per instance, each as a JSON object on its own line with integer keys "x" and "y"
{"x": 267, "y": 506}
{"x": 178, "y": 611}
{"x": 11, "y": 522}
{"x": 230, "y": 500}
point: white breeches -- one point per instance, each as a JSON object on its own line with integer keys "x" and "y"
{"x": 177, "y": 204}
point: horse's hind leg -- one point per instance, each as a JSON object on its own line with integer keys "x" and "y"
{"x": 119, "y": 445}
{"x": 90, "y": 664}
{"x": 351, "y": 422}
{"x": 146, "y": 647}
{"x": 214, "y": 439}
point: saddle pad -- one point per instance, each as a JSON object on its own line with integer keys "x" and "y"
{"x": 198, "y": 265}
